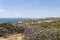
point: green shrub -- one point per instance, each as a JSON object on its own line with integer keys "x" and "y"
{"x": 11, "y": 28}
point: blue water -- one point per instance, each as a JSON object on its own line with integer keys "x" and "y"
{"x": 5, "y": 20}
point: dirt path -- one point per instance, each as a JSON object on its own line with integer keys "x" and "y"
{"x": 14, "y": 37}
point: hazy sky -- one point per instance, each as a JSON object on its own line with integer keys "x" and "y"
{"x": 29, "y": 8}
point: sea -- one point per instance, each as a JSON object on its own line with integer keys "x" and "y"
{"x": 14, "y": 20}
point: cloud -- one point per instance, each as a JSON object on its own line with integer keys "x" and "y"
{"x": 1, "y": 10}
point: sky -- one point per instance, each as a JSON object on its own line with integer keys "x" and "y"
{"x": 29, "y": 8}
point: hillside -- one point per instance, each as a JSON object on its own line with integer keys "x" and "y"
{"x": 37, "y": 29}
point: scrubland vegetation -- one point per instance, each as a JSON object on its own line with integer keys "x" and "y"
{"x": 41, "y": 31}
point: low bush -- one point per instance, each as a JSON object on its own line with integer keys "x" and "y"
{"x": 21, "y": 29}
{"x": 41, "y": 34}
{"x": 4, "y": 32}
